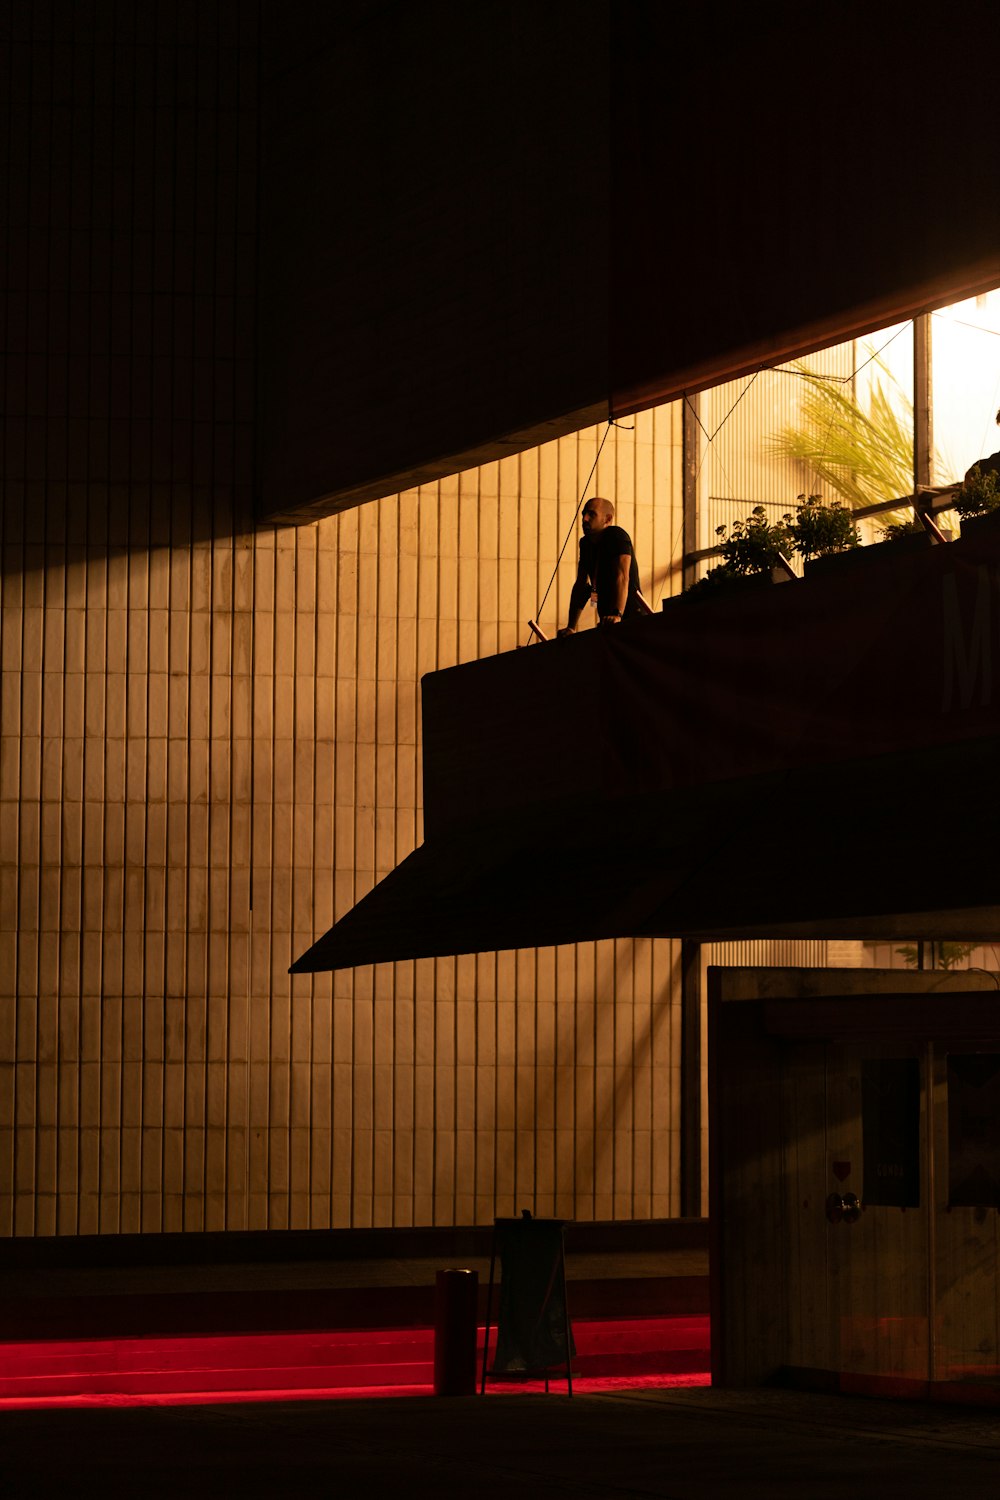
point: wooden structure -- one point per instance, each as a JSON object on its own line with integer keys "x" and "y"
{"x": 899, "y": 1293}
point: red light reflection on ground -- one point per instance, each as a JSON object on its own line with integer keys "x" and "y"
{"x": 582, "y": 1385}
{"x": 631, "y": 1354}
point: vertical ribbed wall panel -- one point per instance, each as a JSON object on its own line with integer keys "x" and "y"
{"x": 737, "y": 470}
{"x": 125, "y": 629}
{"x": 791, "y": 953}
{"x": 445, "y": 1090}
{"x": 210, "y": 736}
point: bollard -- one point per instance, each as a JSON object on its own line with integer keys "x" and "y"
{"x": 455, "y": 1308}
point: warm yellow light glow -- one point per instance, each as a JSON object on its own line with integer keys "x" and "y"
{"x": 965, "y": 347}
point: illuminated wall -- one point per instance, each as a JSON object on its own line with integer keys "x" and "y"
{"x": 190, "y": 715}
{"x": 125, "y": 641}
{"x": 209, "y": 735}
{"x": 466, "y": 1087}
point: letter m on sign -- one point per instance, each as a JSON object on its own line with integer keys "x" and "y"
{"x": 968, "y": 653}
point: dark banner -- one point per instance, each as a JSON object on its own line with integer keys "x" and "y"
{"x": 875, "y": 657}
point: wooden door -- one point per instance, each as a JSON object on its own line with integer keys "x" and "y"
{"x": 909, "y": 1294}
{"x": 858, "y": 1286}
{"x": 966, "y": 1242}
{"x": 878, "y": 1264}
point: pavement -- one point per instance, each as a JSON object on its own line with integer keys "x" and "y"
{"x": 699, "y": 1444}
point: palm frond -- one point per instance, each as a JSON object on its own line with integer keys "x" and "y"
{"x": 861, "y": 455}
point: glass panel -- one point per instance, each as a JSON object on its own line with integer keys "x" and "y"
{"x": 890, "y": 1108}
{"x": 965, "y": 365}
{"x": 838, "y": 423}
{"x": 974, "y": 1130}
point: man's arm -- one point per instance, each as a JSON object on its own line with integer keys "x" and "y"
{"x": 621, "y": 590}
{"x": 578, "y": 598}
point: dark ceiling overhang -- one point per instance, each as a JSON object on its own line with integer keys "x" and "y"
{"x": 484, "y": 226}
{"x": 898, "y": 305}
{"x": 769, "y": 766}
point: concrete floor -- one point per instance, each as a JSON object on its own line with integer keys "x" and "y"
{"x": 677, "y": 1445}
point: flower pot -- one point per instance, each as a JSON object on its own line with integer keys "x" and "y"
{"x": 733, "y": 588}
{"x": 983, "y": 528}
{"x": 860, "y": 557}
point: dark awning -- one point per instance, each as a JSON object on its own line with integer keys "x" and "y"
{"x": 444, "y": 899}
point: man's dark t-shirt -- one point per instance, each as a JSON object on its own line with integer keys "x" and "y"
{"x": 599, "y": 554}
{"x": 985, "y": 466}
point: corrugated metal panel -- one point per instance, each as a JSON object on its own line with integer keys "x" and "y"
{"x": 209, "y": 738}
{"x": 466, "y": 1087}
{"x": 737, "y": 472}
{"x": 776, "y": 953}
{"x": 124, "y": 634}
{"x": 184, "y": 709}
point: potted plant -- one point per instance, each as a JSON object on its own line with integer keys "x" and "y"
{"x": 908, "y": 536}
{"x": 978, "y": 501}
{"x": 911, "y": 535}
{"x": 900, "y": 537}
{"x": 755, "y": 551}
{"x": 821, "y": 531}
{"x": 862, "y": 453}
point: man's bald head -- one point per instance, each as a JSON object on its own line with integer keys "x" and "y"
{"x": 597, "y": 513}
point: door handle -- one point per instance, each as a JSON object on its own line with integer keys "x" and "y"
{"x": 844, "y": 1208}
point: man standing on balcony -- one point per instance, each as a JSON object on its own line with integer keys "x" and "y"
{"x": 985, "y": 466}
{"x": 607, "y": 572}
